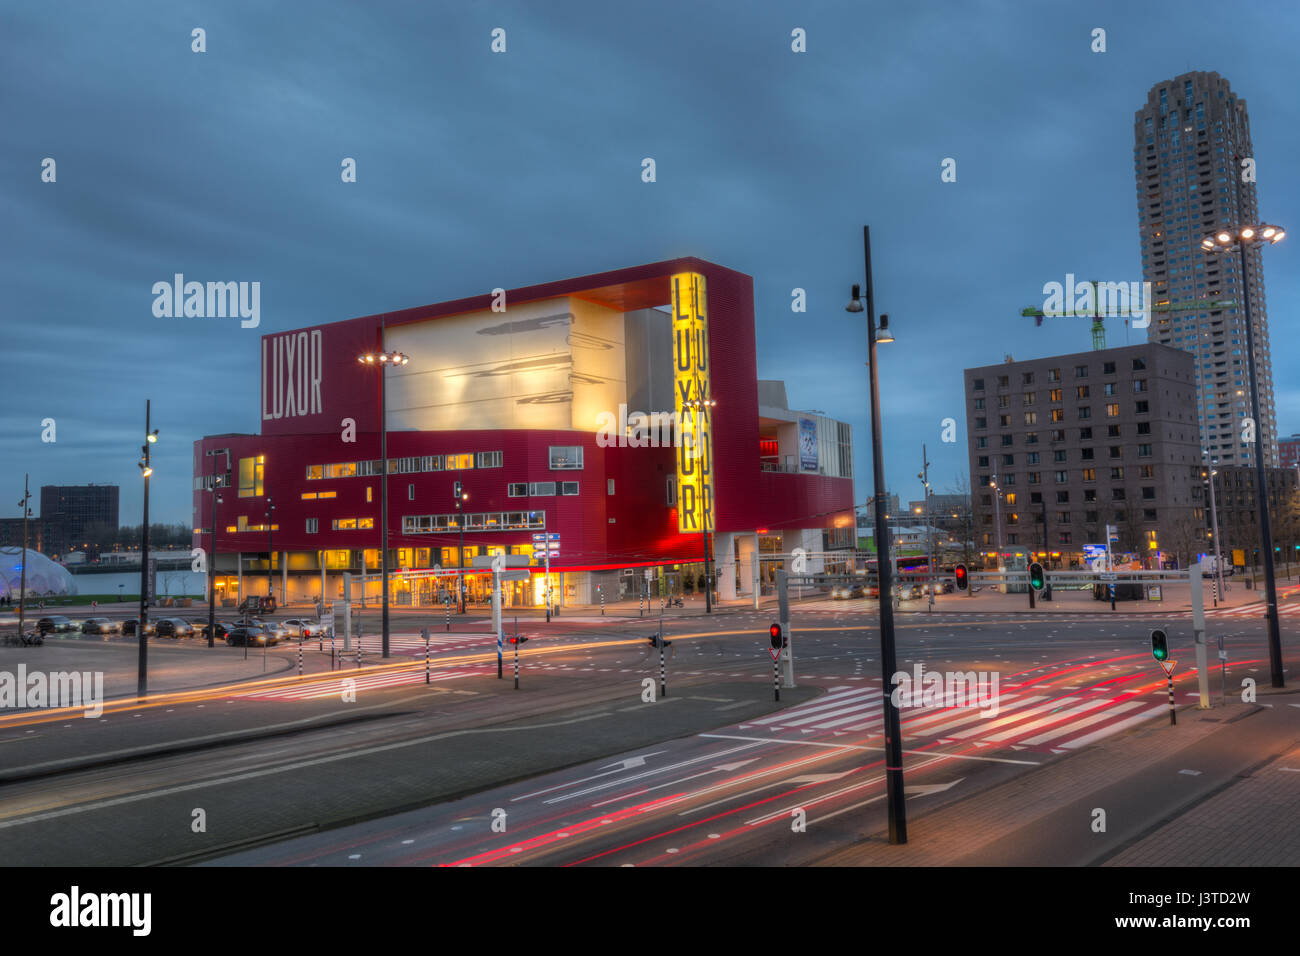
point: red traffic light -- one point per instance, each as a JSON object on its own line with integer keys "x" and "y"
{"x": 960, "y": 572}
{"x": 778, "y": 639}
{"x": 519, "y": 639}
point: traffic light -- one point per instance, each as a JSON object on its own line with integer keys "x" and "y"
{"x": 962, "y": 582}
{"x": 1159, "y": 645}
{"x": 518, "y": 639}
{"x": 1036, "y": 578}
{"x": 456, "y": 491}
{"x": 657, "y": 640}
{"x": 778, "y": 639}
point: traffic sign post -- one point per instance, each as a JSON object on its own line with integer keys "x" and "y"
{"x": 1198, "y": 636}
{"x": 425, "y": 632}
{"x": 1169, "y": 673}
{"x": 1223, "y": 671}
{"x": 777, "y": 636}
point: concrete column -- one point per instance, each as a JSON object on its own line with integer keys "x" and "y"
{"x": 756, "y": 571}
{"x": 284, "y": 577}
{"x": 724, "y": 564}
{"x": 239, "y": 571}
{"x": 324, "y": 594}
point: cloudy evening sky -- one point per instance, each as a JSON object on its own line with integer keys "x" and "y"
{"x": 478, "y": 170}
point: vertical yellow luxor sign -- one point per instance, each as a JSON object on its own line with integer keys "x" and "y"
{"x": 691, "y": 388}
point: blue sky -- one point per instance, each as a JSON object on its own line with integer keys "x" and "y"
{"x": 478, "y": 170}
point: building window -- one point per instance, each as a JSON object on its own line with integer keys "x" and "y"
{"x": 1006, "y": 440}
{"x": 1053, "y": 374}
{"x": 1058, "y": 414}
{"x": 410, "y": 492}
{"x": 540, "y": 488}
{"x": 979, "y": 404}
{"x": 566, "y": 457}
{"x": 1112, "y": 410}
{"x": 1142, "y": 408}
{"x": 370, "y": 493}
{"x": 1144, "y": 428}
{"x": 1004, "y": 421}
{"x": 1116, "y": 451}
{"x": 1144, "y": 451}
{"x": 1146, "y": 471}
{"x": 1003, "y": 381}
{"x": 1055, "y": 395}
{"x": 1085, "y": 434}
{"x": 982, "y": 442}
{"x": 1031, "y": 418}
{"x": 670, "y": 496}
{"x": 1085, "y": 411}
{"x": 1008, "y": 459}
{"x": 979, "y": 384}
{"x": 609, "y": 486}
{"x": 311, "y": 525}
{"x": 1062, "y": 477}
{"x": 1090, "y": 494}
{"x": 1117, "y": 494}
{"x": 1062, "y": 497}
{"x": 1139, "y": 364}
{"x": 981, "y": 423}
{"x": 1035, "y": 477}
{"x": 1082, "y": 391}
{"x": 488, "y": 459}
{"x": 1032, "y": 458}
{"x": 1139, "y": 385}
{"x": 1108, "y": 368}
{"x": 1081, "y": 371}
{"x": 982, "y": 461}
{"x": 1004, "y": 401}
{"x": 1085, "y": 454}
{"x": 1058, "y": 455}
{"x": 1065, "y": 537}
{"x": 1117, "y": 473}
{"x": 568, "y": 487}
{"x": 1111, "y": 388}
{"x": 250, "y": 476}
{"x": 1149, "y": 492}
{"x": 1090, "y": 474}
{"x": 1031, "y": 438}
{"x": 1029, "y": 398}
{"x": 1027, "y": 378}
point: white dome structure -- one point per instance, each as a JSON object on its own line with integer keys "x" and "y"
{"x": 44, "y": 577}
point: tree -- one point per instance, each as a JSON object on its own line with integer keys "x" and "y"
{"x": 964, "y": 517}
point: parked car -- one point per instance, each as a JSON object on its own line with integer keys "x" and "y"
{"x": 297, "y": 627}
{"x": 100, "y": 625}
{"x": 54, "y": 625}
{"x": 174, "y": 627}
{"x": 250, "y": 635}
{"x": 223, "y": 630}
{"x": 275, "y": 628}
{"x": 130, "y": 624}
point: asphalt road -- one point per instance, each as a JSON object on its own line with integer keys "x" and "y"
{"x": 411, "y": 772}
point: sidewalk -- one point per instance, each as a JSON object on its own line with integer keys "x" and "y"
{"x": 1158, "y": 815}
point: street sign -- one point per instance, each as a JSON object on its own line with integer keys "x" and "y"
{"x": 775, "y": 652}
{"x": 1109, "y": 576}
{"x": 1168, "y": 666}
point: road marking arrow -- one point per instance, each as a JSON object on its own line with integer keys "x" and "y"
{"x": 618, "y": 767}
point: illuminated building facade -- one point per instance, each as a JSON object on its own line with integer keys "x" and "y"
{"x": 558, "y": 409}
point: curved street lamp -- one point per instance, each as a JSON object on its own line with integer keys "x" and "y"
{"x": 383, "y": 361}
{"x": 1224, "y": 241}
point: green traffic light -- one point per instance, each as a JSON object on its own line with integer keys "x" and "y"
{"x": 1036, "y": 578}
{"x": 1159, "y": 645}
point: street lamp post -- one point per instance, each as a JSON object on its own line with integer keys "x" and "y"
{"x": 461, "y": 497}
{"x": 270, "y": 549}
{"x": 384, "y": 360}
{"x": 146, "y": 470}
{"x": 1214, "y": 522}
{"x": 1223, "y": 241}
{"x": 997, "y": 519}
{"x": 215, "y": 500}
{"x": 22, "y": 567}
{"x": 888, "y": 656}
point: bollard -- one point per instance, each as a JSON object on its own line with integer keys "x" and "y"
{"x": 426, "y": 654}
{"x": 300, "y": 658}
{"x": 358, "y": 650}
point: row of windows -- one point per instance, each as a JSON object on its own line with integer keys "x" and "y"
{"x": 485, "y": 521}
{"x": 1060, "y": 455}
{"x": 401, "y": 466}
{"x": 353, "y": 524}
{"x": 524, "y": 489}
{"x": 1063, "y": 517}
{"x": 1054, "y": 374}
{"x": 1062, "y": 477}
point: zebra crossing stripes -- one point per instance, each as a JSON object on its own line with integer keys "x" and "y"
{"x": 1254, "y": 611}
{"x": 1021, "y": 721}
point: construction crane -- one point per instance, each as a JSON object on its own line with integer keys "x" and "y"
{"x": 1099, "y": 329}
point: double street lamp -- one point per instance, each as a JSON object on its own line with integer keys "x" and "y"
{"x": 212, "y": 550}
{"x": 146, "y": 471}
{"x": 1224, "y": 241}
{"x": 383, "y": 361}
{"x": 888, "y": 656}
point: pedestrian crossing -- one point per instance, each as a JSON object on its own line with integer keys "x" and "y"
{"x": 1021, "y": 720}
{"x": 334, "y": 687}
{"x": 400, "y": 643}
{"x": 1253, "y": 610}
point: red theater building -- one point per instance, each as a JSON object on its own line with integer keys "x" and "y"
{"x": 528, "y": 400}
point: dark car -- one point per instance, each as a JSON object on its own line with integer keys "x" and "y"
{"x": 100, "y": 625}
{"x": 248, "y": 635}
{"x": 848, "y": 591}
{"x": 53, "y": 625}
{"x": 174, "y": 627}
{"x": 223, "y": 630}
{"x": 130, "y": 624}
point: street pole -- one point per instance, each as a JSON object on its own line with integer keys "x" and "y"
{"x": 270, "y": 549}
{"x": 888, "y": 656}
{"x": 460, "y": 522}
{"x": 1198, "y": 635}
{"x": 383, "y": 493}
{"x": 142, "y": 678}
{"x": 997, "y": 520}
{"x": 1261, "y": 492}
{"x": 1218, "y": 549}
{"x": 22, "y": 571}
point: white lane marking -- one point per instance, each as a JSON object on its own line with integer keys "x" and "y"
{"x": 1115, "y": 728}
{"x": 1064, "y": 730}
